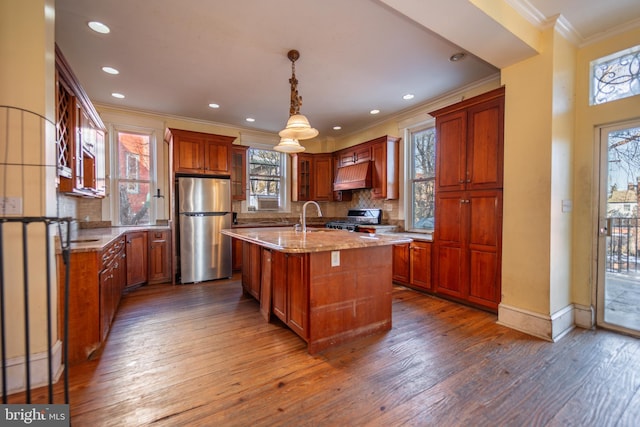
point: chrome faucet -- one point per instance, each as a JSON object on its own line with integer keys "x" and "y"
{"x": 304, "y": 214}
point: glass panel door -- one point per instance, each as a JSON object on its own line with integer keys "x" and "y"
{"x": 618, "y": 291}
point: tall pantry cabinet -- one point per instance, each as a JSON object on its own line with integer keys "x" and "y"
{"x": 468, "y": 220}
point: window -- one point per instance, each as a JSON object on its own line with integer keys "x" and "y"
{"x": 266, "y": 180}
{"x": 133, "y": 178}
{"x": 422, "y": 175}
{"x": 615, "y": 76}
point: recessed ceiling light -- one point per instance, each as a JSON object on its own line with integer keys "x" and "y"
{"x": 110, "y": 70}
{"x": 213, "y": 105}
{"x": 374, "y": 111}
{"x": 99, "y": 27}
{"x": 250, "y": 119}
{"x": 408, "y": 96}
{"x": 117, "y": 95}
{"x": 337, "y": 127}
{"x": 457, "y": 57}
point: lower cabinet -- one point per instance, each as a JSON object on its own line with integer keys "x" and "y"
{"x": 289, "y": 299}
{"x": 412, "y": 264}
{"x": 159, "y": 255}
{"x": 137, "y": 264}
{"x": 251, "y": 271}
{"x": 96, "y": 280}
{"x": 236, "y": 254}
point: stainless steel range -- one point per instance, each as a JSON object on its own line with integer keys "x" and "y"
{"x": 355, "y": 218}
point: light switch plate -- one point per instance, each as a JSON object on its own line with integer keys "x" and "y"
{"x": 10, "y": 206}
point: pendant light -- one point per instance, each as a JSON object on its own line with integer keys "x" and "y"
{"x": 298, "y": 126}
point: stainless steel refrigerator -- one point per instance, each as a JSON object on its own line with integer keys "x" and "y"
{"x": 204, "y": 208}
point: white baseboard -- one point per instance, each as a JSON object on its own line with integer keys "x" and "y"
{"x": 550, "y": 328}
{"x": 39, "y": 371}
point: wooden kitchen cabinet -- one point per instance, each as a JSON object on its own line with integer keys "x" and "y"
{"x": 289, "y": 298}
{"x": 356, "y": 154}
{"x": 302, "y": 170}
{"x": 312, "y": 177}
{"x": 137, "y": 263}
{"x": 96, "y": 280}
{"x": 412, "y": 264}
{"x": 238, "y": 172}
{"x": 201, "y": 153}
{"x": 385, "y": 174}
{"x": 236, "y": 254}
{"x": 80, "y": 137}
{"x": 470, "y": 143}
{"x": 322, "y": 183}
{"x": 251, "y": 269}
{"x": 159, "y": 254}
{"x": 468, "y": 254}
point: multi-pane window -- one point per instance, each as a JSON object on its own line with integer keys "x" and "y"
{"x": 133, "y": 179}
{"x": 615, "y": 76}
{"x": 266, "y": 176}
{"x": 422, "y": 177}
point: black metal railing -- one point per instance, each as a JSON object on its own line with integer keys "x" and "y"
{"x": 22, "y": 231}
{"x": 622, "y": 245}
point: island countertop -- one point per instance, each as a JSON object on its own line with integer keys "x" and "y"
{"x": 286, "y": 239}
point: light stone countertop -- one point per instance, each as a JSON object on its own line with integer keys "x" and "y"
{"x": 286, "y": 239}
{"x": 95, "y": 239}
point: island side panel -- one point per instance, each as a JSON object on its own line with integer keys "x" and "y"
{"x": 350, "y": 300}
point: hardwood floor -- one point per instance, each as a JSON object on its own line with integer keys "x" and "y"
{"x": 203, "y": 355}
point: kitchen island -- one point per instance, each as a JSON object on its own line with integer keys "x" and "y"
{"x": 328, "y": 286}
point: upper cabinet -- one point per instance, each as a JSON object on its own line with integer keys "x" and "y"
{"x": 352, "y": 155}
{"x": 323, "y": 177}
{"x": 201, "y": 153}
{"x": 470, "y": 143}
{"x": 384, "y": 177}
{"x": 238, "y": 172}
{"x": 312, "y": 177}
{"x": 80, "y": 137}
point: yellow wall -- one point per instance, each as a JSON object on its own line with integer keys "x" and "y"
{"x": 28, "y": 170}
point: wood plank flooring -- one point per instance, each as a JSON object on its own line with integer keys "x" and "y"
{"x": 202, "y": 355}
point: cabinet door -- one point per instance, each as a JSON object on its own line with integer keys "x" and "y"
{"x": 217, "y": 156}
{"x": 236, "y": 254}
{"x": 322, "y": 177}
{"x": 379, "y": 172}
{"x": 136, "y": 250}
{"x": 401, "y": 263}
{"x": 485, "y": 247}
{"x": 451, "y": 267}
{"x": 451, "y": 151}
{"x": 279, "y": 285}
{"x": 297, "y": 294}
{"x": 159, "y": 256}
{"x": 420, "y": 275}
{"x": 238, "y": 172}
{"x": 106, "y": 302}
{"x": 251, "y": 267}
{"x": 302, "y": 174}
{"x": 485, "y": 145}
{"x": 188, "y": 153}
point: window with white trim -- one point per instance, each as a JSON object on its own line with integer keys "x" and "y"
{"x": 133, "y": 177}
{"x": 267, "y": 180}
{"x": 421, "y": 179}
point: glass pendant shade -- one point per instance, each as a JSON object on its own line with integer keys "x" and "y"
{"x": 298, "y": 127}
{"x": 289, "y": 145}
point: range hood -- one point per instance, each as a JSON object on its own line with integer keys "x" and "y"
{"x": 353, "y": 177}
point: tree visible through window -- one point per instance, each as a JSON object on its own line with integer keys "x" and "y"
{"x": 265, "y": 179}
{"x": 422, "y": 178}
{"x": 133, "y": 178}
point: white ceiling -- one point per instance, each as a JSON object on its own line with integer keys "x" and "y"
{"x": 176, "y": 57}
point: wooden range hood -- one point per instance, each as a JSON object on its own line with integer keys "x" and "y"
{"x": 353, "y": 177}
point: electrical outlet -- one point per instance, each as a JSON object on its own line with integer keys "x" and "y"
{"x": 335, "y": 258}
{"x": 10, "y": 206}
